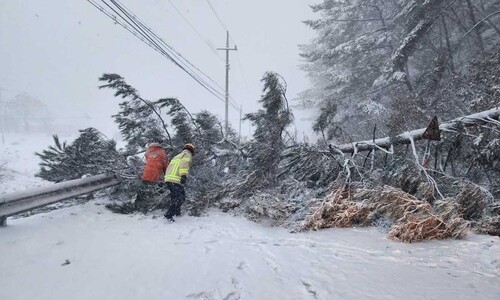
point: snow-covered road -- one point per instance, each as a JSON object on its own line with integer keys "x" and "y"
{"x": 87, "y": 252}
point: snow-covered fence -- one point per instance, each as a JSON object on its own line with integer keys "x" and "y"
{"x": 18, "y": 202}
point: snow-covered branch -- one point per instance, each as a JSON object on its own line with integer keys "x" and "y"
{"x": 490, "y": 116}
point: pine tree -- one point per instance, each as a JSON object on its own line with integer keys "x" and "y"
{"x": 90, "y": 154}
{"x": 268, "y": 142}
{"x": 210, "y": 127}
{"x": 181, "y": 120}
{"x": 385, "y": 62}
{"x": 354, "y": 40}
{"x": 139, "y": 120}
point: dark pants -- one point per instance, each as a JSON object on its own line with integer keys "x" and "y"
{"x": 177, "y": 197}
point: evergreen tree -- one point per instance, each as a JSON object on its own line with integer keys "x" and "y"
{"x": 270, "y": 124}
{"x": 353, "y": 43}
{"x": 387, "y": 62}
{"x": 181, "y": 120}
{"x": 139, "y": 120}
{"x": 167, "y": 120}
{"x": 210, "y": 127}
{"x": 90, "y": 154}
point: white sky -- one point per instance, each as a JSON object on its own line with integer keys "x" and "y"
{"x": 55, "y": 51}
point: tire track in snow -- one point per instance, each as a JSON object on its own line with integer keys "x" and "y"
{"x": 231, "y": 258}
{"x": 309, "y": 289}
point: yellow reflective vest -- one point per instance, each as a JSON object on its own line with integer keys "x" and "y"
{"x": 178, "y": 167}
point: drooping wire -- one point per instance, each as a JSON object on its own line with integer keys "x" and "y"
{"x": 142, "y": 32}
{"x": 175, "y": 52}
{"x": 171, "y": 54}
{"x": 142, "y": 27}
{"x": 195, "y": 30}
{"x": 217, "y": 16}
{"x": 134, "y": 28}
{"x": 231, "y": 38}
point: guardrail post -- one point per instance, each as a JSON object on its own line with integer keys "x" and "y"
{"x": 3, "y": 221}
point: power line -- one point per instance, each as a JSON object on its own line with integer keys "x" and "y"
{"x": 135, "y": 18}
{"x": 231, "y": 101}
{"x": 231, "y": 38}
{"x": 242, "y": 72}
{"x": 138, "y": 28}
{"x": 113, "y": 17}
{"x": 141, "y": 27}
{"x": 195, "y": 30}
{"x": 150, "y": 38}
{"x": 217, "y": 16}
{"x": 220, "y": 20}
{"x": 176, "y": 53}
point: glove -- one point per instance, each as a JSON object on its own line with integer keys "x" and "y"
{"x": 184, "y": 179}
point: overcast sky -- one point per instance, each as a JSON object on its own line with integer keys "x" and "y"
{"x": 55, "y": 50}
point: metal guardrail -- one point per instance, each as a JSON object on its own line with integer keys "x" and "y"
{"x": 19, "y": 202}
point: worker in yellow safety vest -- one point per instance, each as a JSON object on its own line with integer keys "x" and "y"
{"x": 176, "y": 178}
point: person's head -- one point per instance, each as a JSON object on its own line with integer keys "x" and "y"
{"x": 189, "y": 147}
{"x": 154, "y": 144}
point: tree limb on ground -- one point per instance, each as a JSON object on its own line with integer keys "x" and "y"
{"x": 491, "y": 116}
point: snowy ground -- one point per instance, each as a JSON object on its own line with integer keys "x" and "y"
{"x": 87, "y": 252}
{"x": 18, "y": 162}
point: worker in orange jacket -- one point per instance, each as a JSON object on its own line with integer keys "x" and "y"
{"x": 156, "y": 163}
{"x": 152, "y": 175}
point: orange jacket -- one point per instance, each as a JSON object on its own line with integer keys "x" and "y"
{"x": 156, "y": 163}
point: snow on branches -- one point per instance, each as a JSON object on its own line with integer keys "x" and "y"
{"x": 407, "y": 59}
{"x": 90, "y": 154}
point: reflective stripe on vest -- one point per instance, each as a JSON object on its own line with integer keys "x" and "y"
{"x": 176, "y": 171}
{"x": 173, "y": 175}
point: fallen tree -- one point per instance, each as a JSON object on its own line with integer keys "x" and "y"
{"x": 491, "y": 116}
{"x": 411, "y": 219}
{"x": 400, "y": 190}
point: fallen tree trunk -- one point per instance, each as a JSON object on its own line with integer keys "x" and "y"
{"x": 491, "y": 116}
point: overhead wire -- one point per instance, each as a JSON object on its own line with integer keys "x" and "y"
{"x": 113, "y": 17}
{"x": 150, "y": 38}
{"x": 231, "y": 100}
{"x": 150, "y": 42}
{"x": 217, "y": 16}
{"x": 139, "y": 30}
{"x": 160, "y": 39}
{"x": 155, "y": 39}
{"x": 241, "y": 71}
{"x": 212, "y": 8}
{"x": 195, "y": 30}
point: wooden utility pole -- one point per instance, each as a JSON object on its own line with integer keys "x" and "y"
{"x": 227, "y": 49}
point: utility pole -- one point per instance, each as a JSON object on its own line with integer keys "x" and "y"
{"x": 227, "y": 49}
